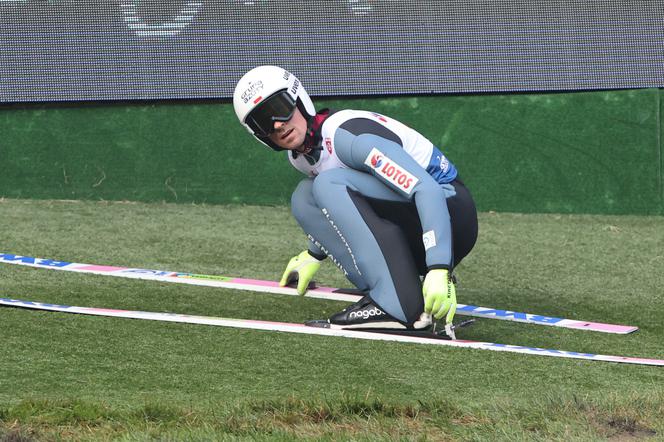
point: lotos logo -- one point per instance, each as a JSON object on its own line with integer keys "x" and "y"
{"x": 391, "y": 171}
{"x": 376, "y": 161}
{"x": 328, "y": 145}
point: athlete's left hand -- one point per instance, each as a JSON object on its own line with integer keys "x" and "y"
{"x": 439, "y": 294}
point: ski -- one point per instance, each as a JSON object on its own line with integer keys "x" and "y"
{"x": 329, "y": 293}
{"x": 303, "y": 329}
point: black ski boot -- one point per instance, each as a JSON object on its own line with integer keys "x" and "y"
{"x": 365, "y": 315}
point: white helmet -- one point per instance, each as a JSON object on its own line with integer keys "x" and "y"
{"x": 267, "y": 94}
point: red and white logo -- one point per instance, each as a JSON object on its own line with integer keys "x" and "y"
{"x": 328, "y": 145}
{"x": 391, "y": 171}
{"x": 379, "y": 117}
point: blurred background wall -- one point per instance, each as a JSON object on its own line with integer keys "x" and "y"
{"x": 545, "y": 106}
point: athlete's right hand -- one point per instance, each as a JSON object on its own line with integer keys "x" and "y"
{"x": 300, "y": 268}
{"x": 439, "y": 294}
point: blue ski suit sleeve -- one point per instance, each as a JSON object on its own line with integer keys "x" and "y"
{"x": 388, "y": 162}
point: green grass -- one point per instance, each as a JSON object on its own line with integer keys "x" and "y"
{"x": 70, "y": 377}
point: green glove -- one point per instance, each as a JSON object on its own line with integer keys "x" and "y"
{"x": 300, "y": 268}
{"x": 439, "y": 294}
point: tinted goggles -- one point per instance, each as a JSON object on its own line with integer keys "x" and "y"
{"x": 278, "y": 107}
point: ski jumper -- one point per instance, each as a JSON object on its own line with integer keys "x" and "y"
{"x": 383, "y": 203}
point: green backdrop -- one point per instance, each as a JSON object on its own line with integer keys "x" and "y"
{"x": 590, "y": 152}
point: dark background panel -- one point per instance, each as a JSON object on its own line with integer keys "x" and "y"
{"x": 68, "y": 50}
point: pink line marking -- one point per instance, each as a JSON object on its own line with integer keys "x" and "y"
{"x": 641, "y": 360}
{"x": 100, "y": 268}
{"x": 260, "y": 283}
{"x": 599, "y": 326}
{"x": 255, "y": 282}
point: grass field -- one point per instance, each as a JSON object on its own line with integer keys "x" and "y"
{"x": 70, "y": 377}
